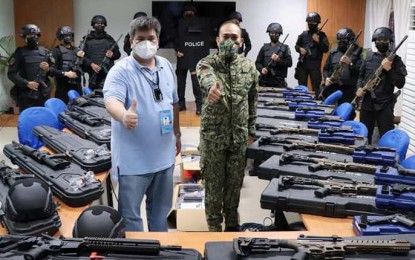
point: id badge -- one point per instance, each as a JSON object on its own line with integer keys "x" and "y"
{"x": 166, "y": 121}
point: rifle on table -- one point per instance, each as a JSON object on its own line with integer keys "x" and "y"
{"x": 76, "y": 63}
{"x": 287, "y": 130}
{"x": 318, "y": 164}
{"x": 9, "y": 175}
{"x": 278, "y": 52}
{"x": 398, "y": 188}
{"x": 54, "y": 161}
{"x": 339, "y": 68}
{"x": 321, "y": 247}
{"x": 330, "y": 186}
{"x": 374, "y": 80}
{"x": 302, "y": 56}
{"x": 104, "y": 63}
{"x": 408, "y": 221}
{"x": 34, "y": 248}
{"x": 87, "y": 119}
{"x": 290, "y": 144}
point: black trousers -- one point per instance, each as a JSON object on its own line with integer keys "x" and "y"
{"x": 62, "y": 88}
{"x": 302, "y": 73}
{"x": 383, "y": 119}
{"x": 181, "y": 86}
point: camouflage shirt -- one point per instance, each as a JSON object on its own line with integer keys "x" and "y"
{"x": 232, "y": 118}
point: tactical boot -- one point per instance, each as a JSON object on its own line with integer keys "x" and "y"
{"x": 198, "y": 109}
{"x": 182, "y": 105}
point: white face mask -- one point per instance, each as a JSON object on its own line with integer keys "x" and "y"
{"x": 145, "y": 49}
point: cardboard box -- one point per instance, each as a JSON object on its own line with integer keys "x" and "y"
{"x": 187, "y": 219}
{"x": 190, "y": 164}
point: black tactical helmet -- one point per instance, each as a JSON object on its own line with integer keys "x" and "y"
{"x": 99, "y": 19}
{"x": 189, "y": 7}
{"x": 274, "y": 28}
{"x": 29, "y": 199}
{"x": 345, "y": 33}
{"x": 29, "y": 29}
{"x": 313, "y": 17}
{"x": 139, "y": 14}
{"x": 236, "y": 15}
{"x": 383, "y": 32}
{"x": 99, "y": 221}
{"x": 64, "y": 30}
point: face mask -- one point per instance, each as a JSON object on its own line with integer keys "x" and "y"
{"x": 145, "y": 49}
{"x": 274, "y": 38}
{"x": 382, "y": 46}
{"x": 227, "y": 49}
{"x": 67, "y": 39}
{"x": 312, "y": 27}
{"x": 342, "y": 46}
{"x": 32, "y": 41}
{"x": 189, "y": 15}
{"x": 99, "y": 29}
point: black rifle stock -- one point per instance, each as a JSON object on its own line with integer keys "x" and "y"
{"x": 321, "y": 247}
{"x": 37, "y": 247}
{"x": 8, "y": 175}
{"x": 104, "y": 63}
{"x": 330, "y": 186}
{"x": 317, "y": 164}
{"x": 374, "y": 80}
{"x": 54, "y": 161}
{"x": 278, "y": 52}
{"x": 302, "y": 56}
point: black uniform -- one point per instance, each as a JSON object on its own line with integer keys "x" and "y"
{"x": 95, "y": 49}
{"x": 25, "y": 67}
{"x": 246, "y": 46}
{"x": 312, "y": 61}
{"x": 380, "y": 110}
{"x": 64, "y": 61}
{"x": 348, "y": 78}
{"x": 277, "y": 71}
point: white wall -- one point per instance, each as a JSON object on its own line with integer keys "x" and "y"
{"x": 6, "y": 28}
{"x": 256, "y": 17}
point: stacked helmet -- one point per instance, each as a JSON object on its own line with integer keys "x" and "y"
{"x": 99, "y": 19}
{"x": 29, "y": 199}
{"x": 236, "y": 15}
{"x": 64, "y": 30}
{"x": 383, "y": 33}
{"x": 345, "y": 33}
{"x": 313, "y": 17}
{"x": 29, "y": 29}
{"x": 274, "y": 28}
{"x": 99, "y": 221}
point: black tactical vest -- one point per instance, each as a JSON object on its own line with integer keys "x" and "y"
{"x": 67, "y": 57}
{"x": 97, "y": 47}
{"x": 31, "y": 60}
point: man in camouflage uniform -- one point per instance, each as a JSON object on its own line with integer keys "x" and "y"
{"x": 229, "y": 84}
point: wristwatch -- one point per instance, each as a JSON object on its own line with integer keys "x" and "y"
{"x": 178, "y": 135}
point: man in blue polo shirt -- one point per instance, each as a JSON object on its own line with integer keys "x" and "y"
{"x": 140, "y": 93}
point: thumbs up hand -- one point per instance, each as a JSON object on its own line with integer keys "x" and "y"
{"x": 130, "y": 117}
{"x": 215, "y": 93}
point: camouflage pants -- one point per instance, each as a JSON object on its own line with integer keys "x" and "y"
{"x": 223, "y": 173}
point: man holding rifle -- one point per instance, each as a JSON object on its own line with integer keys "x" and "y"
{"x": 378, "y": 104}
{"x": 311, "y": 45}
{"x": 342, "y": 66}
{"x": 99, "y": 46}
{"x": 274, "y": 59}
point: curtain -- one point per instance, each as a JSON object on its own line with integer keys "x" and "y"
{"x": 401, "y": 22}
{"x": 377, "y": 12}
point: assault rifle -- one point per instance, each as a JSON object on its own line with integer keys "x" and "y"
{"x": 278, "y": 52}
{"x": 104, "y": 63}
{"x": 374, "y": 80}
{"x": 34, "y": 248}
{"x": 318, "y": 164}
{"x": 330, "y": 186}
{"x": 398, "y": 188}
{"x": 40, "y": 77}
{"x": 9, "y": 175}
{"x": 310, "y": 102}
{"x": 87, "y": 119}
{"x": 302, "y": 56}
{"x": 54, "y": 161}
{"x": 76, "y": 63}
{"x": 287, "y": 130}
{"x": 290, "y": 144}
{"x": 407, "y": 221}
{"x": 339, "y": 68}
{"x": 321, "y": 247}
